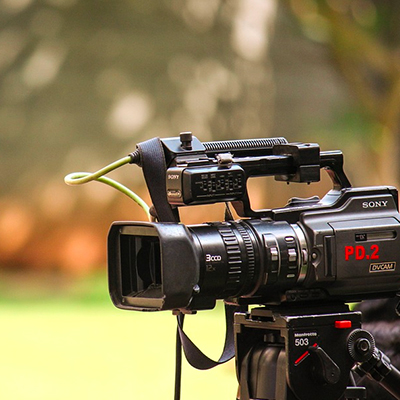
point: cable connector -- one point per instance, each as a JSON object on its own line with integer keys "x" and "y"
{"x": 135, "y": 158}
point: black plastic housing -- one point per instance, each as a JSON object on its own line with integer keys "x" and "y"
{"x": 342, "y": 248}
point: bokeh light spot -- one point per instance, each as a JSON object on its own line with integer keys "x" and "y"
{"x": 129, "y": 114}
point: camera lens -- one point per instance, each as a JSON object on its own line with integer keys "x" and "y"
{"x": 148, "y": 262}
{"x": 228, "y": 256}
{"x": 141, "y": 264}
{"x": 249, "y": 258}
{"x": 159, "y": 266}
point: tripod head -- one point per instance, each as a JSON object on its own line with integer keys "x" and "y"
{"x": 284, "y": 355}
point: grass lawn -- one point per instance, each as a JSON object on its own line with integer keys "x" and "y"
{"x": 81, "y": 347}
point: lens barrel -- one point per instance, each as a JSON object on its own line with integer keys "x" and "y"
{"x": 158, "y": 266}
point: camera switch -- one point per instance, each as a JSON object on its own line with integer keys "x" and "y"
{"x": 343, "y": 324}
{"x": 292, "y": 255}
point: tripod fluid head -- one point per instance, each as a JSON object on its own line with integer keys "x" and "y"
{"x": 281, "y": 355}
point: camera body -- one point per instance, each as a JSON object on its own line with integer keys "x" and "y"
{"x": 341, "y": 248}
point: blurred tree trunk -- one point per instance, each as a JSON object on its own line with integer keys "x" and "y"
{"x": 364, "y": 40}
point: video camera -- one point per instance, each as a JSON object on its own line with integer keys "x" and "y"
{"x": 341, "y": 248}
{"x": 301, "y": 263}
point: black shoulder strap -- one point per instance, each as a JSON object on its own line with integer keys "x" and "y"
{"x": 195, "y": 357}
{"x": 152, "y": 160}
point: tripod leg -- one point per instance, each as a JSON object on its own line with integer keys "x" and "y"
{"x": 258, "y": 375}
{"x": 263, "y": 374}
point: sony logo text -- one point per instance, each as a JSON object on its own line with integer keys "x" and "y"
{"x": 375, "y": 204}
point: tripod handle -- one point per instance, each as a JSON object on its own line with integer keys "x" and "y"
{"x": 380, "y": 369}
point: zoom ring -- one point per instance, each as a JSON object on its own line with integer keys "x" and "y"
{"x": 235, "y": 250}
{"x": 251, "y": 260}
{"x": 234, "y": 257}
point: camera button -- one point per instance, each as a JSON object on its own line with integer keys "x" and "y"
{"x": 292, "y": 255}
{"x": 274, "y": 254}
{"x": 343, "y": 324}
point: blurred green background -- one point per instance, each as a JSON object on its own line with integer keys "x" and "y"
{"x": 83, "y": 81}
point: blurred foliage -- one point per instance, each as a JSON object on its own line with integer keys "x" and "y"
{"x": 81, "y": 82}
{"x": 363, "y": 38}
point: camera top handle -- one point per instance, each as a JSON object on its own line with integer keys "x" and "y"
{"x": 190, "y": 172}
{"x": 293, "y": 162}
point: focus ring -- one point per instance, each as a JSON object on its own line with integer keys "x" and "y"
{"x": 234, "y": 256}
{"x": 251, "y": 259}
{"x": 240, "y": 255}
